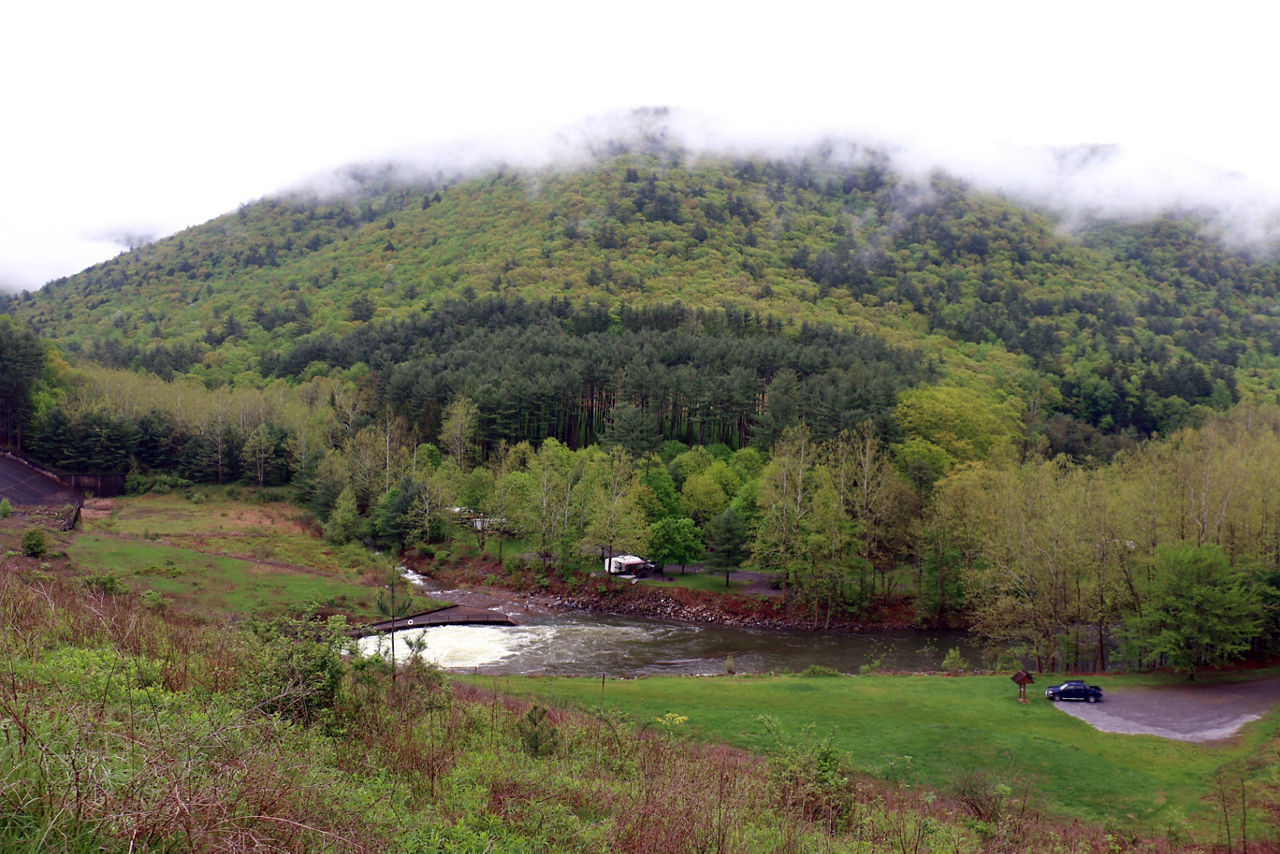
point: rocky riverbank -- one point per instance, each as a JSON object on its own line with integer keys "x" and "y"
{"x": 474, "y": 584}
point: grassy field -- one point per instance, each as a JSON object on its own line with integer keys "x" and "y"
{"x": 228, "y": 555}
{"x": 937, "y": 731}
{"x": 710, "y": 581}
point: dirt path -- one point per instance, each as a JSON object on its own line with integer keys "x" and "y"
{"x": 1192, "y": 711}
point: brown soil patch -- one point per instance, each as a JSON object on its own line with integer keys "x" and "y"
{"x": 269, "y": 518}
{"x": 96, "y": 508}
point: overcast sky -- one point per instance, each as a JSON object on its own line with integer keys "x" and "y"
{"x": 142, "y": 118}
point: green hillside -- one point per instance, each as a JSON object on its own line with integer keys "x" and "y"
{"x": 1122, "y": 328}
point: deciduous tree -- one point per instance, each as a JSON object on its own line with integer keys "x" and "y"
{"x": 674, "y": 539}
{"x": 1200, "y": 611}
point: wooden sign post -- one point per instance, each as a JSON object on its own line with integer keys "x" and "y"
{"x": 1022, "y": 679}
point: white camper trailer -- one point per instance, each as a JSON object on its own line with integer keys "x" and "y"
{"x": 628, "y": 565}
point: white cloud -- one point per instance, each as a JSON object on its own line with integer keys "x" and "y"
{"x": 152, "y": 116}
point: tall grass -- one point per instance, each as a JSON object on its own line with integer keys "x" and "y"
{"x": 125, "y": 728}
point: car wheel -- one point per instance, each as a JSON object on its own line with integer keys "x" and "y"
{"x": 1093, "y": 699}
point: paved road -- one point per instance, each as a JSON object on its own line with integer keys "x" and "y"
{"x": 1192, "y": 711}
{"x": 22, "y": 484}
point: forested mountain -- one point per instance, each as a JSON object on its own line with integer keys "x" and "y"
{"x": 689, "y": 285}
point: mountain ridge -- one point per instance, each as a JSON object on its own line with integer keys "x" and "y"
{"x": 1126, "y": 326}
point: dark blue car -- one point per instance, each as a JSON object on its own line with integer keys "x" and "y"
{"x": 1073, "y": 689}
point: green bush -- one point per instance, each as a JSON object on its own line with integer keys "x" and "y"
{"x": 34, "y": 543}
{"x": 539, "y": 735}
{"x": 811, "y": 774}
{"x": 158, "y": 483}
{"x": 107, "y": 584}
{"x": 954, "y": 661}
{"x": 6, "y": 509}
{"x": 152, "y": 601}
{"x": 300, "y": 667}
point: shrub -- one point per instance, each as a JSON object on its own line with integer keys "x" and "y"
{"x": 539, "y": 735}
{"x": 811, "y": 774}
{"x": 107, "y": 584}
{"x": 1006, "y": 660}
{"x": 300, "y": 667}
{"x": 152, "y": 601}
{"x": 6, "y": 509}
{"x": 158, "y": 483}
{"x": 34, "y": 543}
{"x": 954, "y": 661}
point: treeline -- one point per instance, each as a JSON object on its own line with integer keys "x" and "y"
{"x": 157, "y": 443}
{"x": 22, "y": 358}
{"x": 1173, "y": 549}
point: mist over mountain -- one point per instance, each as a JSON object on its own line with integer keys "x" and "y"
{"x": 1127, "y": 179}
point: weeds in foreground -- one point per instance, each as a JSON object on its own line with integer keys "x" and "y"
{"x": 123, "y": 726}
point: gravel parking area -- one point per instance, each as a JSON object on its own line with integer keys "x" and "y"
{"x": 1192, "y": 711}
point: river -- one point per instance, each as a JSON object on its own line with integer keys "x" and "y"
{"x": 578, "y": 643}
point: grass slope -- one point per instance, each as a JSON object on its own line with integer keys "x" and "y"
{"x": 222, "y": 555}
{"x": 938, "y": 730}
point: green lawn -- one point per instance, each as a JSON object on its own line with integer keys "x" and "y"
{"x": 712, "y": 581}
{"x": 216, "y": 523}
{"x": 932, "y": 729}
{"x": 212, "y": 582}
{"x": 223, "y": 555}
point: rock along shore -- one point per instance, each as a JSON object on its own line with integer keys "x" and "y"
{"x": 599, "y": 595}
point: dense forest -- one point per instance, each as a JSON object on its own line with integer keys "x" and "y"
{"x": 873, "y": 385}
